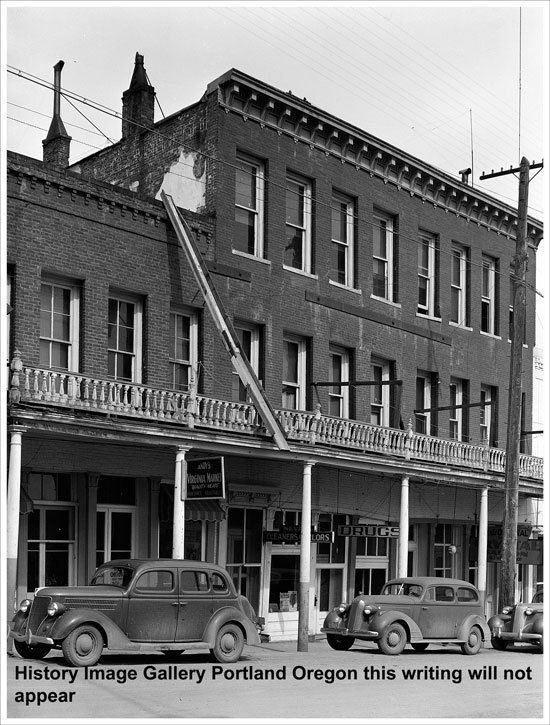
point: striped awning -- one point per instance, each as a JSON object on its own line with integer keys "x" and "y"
{"x": 205, "y": 510}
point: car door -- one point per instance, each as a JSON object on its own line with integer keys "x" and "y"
{"x": 195, "y": 605}
{"x": 153, "y": 606}
{"x": 438, "y": 612}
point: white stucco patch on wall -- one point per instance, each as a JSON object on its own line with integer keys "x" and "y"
{"x": 185, "y": 181}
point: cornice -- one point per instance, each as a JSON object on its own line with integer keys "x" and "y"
{"x": 290, "y": 116}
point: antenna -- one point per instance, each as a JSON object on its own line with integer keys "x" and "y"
{"x": 472, "y": 144}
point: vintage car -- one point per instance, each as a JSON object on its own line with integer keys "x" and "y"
{"x": 520, "y": 623}
{"x": 415, "y": 610}
{"x": 136, "y": 605}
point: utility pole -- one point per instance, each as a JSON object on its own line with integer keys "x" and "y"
{"x": 511, "y": 475}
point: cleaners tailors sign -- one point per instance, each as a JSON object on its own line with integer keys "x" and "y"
{"x": 205, "y": 479}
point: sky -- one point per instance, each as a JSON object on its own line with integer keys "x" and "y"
{"x": 439, "y": 81}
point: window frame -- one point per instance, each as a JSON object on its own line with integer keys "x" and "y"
{"x": 486, "y": 415}
{"x": 306, "y": 227}
{"x": 489, "y": 300}
{"x": 389, "y": 260}
{"x": 429, "y": 239}
{"x": 339, "y": 198}
{"x": 301, "y": 371}
{"x": 192, "y": 362}
{"x": 427, "y": 402}
{"x": 137, "y": 353}
{"x": 384, "y": 406}
{"x": 343, "y": 395}
{"x": 458, "y": 385}
{"x": 462, "y": 302}
{"x": 258, "y": 210}
{"x": 253, "y": 359}
{"x": 73, "y": 342}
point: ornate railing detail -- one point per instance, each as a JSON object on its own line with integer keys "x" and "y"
{"x": 187, "y": 408}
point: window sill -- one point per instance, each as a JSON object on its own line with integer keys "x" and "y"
{"x": 386, "y": 301}
{"x": 250, "y": 256}
{"x": 300, "y": 272}
{"x": 345, "y": 286}
{"x": 461, "y": 327}
{"x": 428, "y": 317}
{"x": 490, "y": 334}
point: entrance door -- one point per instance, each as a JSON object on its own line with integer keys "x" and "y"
{"x": 329, "y": 592}
{"x": 114, "y": 533}
{"x": 51, "y": 547}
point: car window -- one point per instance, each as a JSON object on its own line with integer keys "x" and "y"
{"x": 465, "y": 594}
{"x": 194, "y": 581}
{"x": 444, "y": 594}
{"x": 115, "y": 576}
{"x": 219, "y": 584}
{"x": 155, "y": 581}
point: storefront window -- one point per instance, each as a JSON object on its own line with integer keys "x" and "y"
{"x": 443, "y": 539}
{"x": 244, "y": 551}
{"x": 283, "y": 587}
{"x": 334, "y": 553}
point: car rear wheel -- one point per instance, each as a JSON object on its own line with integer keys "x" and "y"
{"x": 341, "y": 643}
{"x": 419, "y": 646}
{"x": 29, "y": 652}
{"x": 229, "y": 643}
{"x": 393, "y": 639}
{"x": 83, "y": 646}
{"x": 473, "y": 642}
{"x": 499, "y": 643}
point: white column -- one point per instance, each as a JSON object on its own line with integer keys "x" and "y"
{"x": 403, "y": 544}
{"x": 178, "y": 535}
{"x": 305, "y": 559}
{"x": 12, "y": 516}
{"x": 482, "y": 544}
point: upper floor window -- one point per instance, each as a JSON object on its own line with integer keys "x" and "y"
{"x": 489, "y": 296}
{"x": 249, "y": 206}
{"x": 487, "y": 415}
{"x": 59, "y": 317}
{"x": 458, "y": 418}
{"x": 342, "y": 240}
{"x": 298, "y": 224}
{"x": 339, "y": 373}
{"x": 249, "y": 339}
{"x": 427, "y": 274}
{"x": 124, "y": 341}
{"x": 460, "y": 312}
{"x": 183, "y": 348}
{"x": 294, "y": 373}
{"x": 384, "y": 257}
{"x": 426, "y": 402}
{"x": 380, "y": 393}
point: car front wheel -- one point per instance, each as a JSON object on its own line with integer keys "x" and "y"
{"x": 83, "y": 646}
{"x": 28, "y": 652}
{"x": 340, "y": 643}
{"x": 473, "y": 642}
{"x": 229, "y": 643}
{"x": 499, "y": 643}
{"x": 393, "y": 639}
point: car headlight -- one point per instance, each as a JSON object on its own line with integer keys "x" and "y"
{"x": 341, "y": 608}
{"x": 54, "y": 608}
{"x": 507, "y": 610}
{"x": 370, "y": 609}
{"x": 528, "y": 612}
{"x": 25, "y": 604}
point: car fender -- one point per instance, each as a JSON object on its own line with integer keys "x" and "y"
{"x": 231, "y": 614}
{"x": 469, "y": 622}
{"x": 380, "y": 621}
{"x": 537, "y": 626}
{"x": 67, "y": 622}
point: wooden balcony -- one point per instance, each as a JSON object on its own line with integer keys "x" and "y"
{"x": 71, "y": 391}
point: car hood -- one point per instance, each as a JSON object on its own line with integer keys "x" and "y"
{"x": 92, "y": 592}
{"x": 388, "y": 600}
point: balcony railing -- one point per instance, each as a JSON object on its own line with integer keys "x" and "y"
{"x": 189, "y": 409}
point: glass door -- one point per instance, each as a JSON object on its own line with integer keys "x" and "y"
{"x": 51, "y": 547}
{"x": 114, "y": 533}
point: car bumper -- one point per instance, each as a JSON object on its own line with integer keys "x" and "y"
{"x": 516, "y": 636}
{"x": 363, "y": 634}
{"x": 30, "y": 638}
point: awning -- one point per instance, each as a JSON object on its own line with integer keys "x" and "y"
{"x": 205, "y": 510}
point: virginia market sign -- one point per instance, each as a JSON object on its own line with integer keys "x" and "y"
{"x": 205, "y": 478}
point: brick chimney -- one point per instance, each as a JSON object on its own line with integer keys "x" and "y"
{"x": 56, "y": 145}
{"x": 138, "y": 102}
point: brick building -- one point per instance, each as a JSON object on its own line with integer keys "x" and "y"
{"x": 339, "y": 259}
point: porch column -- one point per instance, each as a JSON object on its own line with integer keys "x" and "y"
{"x": 12, "y": 516}
{"x": 305, "y": 559}
{"x": 403, "y": 543}
{"x": 482, "y": 544}
{"x": 178, "y": 531}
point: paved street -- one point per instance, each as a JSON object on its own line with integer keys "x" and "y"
{"x": 275, "y": 681}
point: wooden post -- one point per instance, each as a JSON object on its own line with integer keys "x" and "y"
{"x": 482, "y": 544}
{"x": 178, "y": 531}
{"x": 305, "y": 560}
{"x": 403, "y": 558}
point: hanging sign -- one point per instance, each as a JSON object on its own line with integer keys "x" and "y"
{"x": 529, "y": 551}
{"x": 292, "y": 536}
{"x": 368, "y": 530}
{"x": 205, "y": 479}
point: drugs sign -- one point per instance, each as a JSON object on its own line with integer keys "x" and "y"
{"x": 368, "y": 530}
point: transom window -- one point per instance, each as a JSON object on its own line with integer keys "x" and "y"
{"x": 339, "y": 373}
{"x": 124, "y": 352}
{"x": 294, "y": 373}
{"x": 298, "y": 224}
{"x": 383, "y": 282}
{"x": 459, "y": 266}
{"x": 249, "y": 206}
{"x": 427, "y": 248}
{"x": 59, "y": 310}
{"x": 184, "y": 348}
{"x": 342, "y": 240}
{"x": 488, "y": 296}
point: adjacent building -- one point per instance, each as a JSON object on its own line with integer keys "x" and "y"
{"x": 370, "y": 292}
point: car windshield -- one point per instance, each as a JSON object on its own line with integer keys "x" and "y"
{"x": 115, "y": 576}
{"x": 403, "y": 588}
